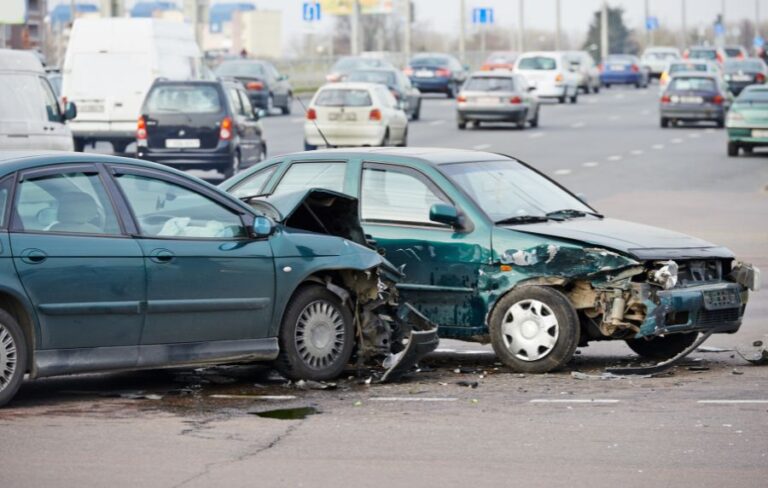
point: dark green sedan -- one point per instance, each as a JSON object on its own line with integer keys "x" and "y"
{"x": 494, "y": 250}
{"x": 747, "y": 121}
{"x": 112, "y": 263}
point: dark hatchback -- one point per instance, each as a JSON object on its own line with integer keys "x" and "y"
{"x": 398, "y": 84}
{"x": 200, "y": 125}
{"x": 740, "y": 73}
{"x": 437, "y": 73}
{"x": 266, "y": 87}
{"x": 693, "y": 97}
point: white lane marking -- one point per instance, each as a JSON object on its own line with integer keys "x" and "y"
{"x": 709, "y": 130}
{"x": 695, "y": 135}
{"x": 645, "y": 112}
{"x": 276, "y": 398}
{"x": 297, "y": 120}
{"x": 480, "y": 147}
{"x": 445, "y": 350}
{"x": 614, "y": 158}
{"x": 619, "y": 96}
{"x": 413, "y": 399}
{"x": 658, "y": 146}
{"x": 574, "y": 400}
{"x": 614, "y": 117}
{"x": 676, "y": 140}
{"x": 536, "y": 135}
{"x": 592, "y": 100}
{"x": 637, "y": 152}
{"x": 474, "y": 352}
{"x": 732, "y": 402}
{"x": 437, "y": 122}
{"x": 578, "y": 125}
{"x": 562, "y": 171}
{"x": 590, "y": 164}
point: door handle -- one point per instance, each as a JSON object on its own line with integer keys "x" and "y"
{"x": 33, "y": 256}
{"x": 161, "y": 256}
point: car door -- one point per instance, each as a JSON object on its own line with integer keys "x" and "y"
{"x": 242, "y": 126}
{"x": 206, "y": 279}
{"x": 252, "y": 135}
{"x": 81, "y": 270}
{"x": 395, "y": 116}
{"x": 56, "y": 135}
{"x": 279, "y": 83}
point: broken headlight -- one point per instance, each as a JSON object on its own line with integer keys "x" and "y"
{"x": 665, "y": 275}
{"x": 747, "y": 275}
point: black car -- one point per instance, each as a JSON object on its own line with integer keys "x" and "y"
{"x": 740, "y": 73}
{"x": 266, "y": 87}
{"x": 200, "y": 125}
{"x": 399, "y": 85}
{"x": 434, "y": 72}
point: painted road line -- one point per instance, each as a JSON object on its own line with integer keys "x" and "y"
{"x": 645, "y": 112}
{"x": 695, "y": 135}
{"x": 413, "y": 399}
{"x": 619, "y": 96}
{"x": 710, "y": 130}
{"x": 437, "y": 122}
{"x": 536, "y": 135}
{"x": 297, "y": 120}
{"x": 614, "y": 158}
{"x": 578, "y": 125}
{"x": 614, "y": 117}
{"x": 637, "y": 152}
{"x": 480, "y": 147}
{"x": 574, "y": 400}
{"x": 732, "y": 402}
{"x": 590, "y": 164}
{"x": 274, "y": 398}
{"x": 658, "y": 146}
{"x": 445, "y": 350}
{"x": 562, "y": 172}
{"x": 676, "y": 140}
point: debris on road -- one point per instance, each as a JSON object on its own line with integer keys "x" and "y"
{"x": 664, "y": 365}
{"x": 737, "y": 371}
{"x": 274, "y": 398}
{"x": 712, "y": 349}
{"x": 606, "y": 376}
{"x": 757, "y": 354}
{"x": 296, "y": 413}
{"x": 468, "y": 384}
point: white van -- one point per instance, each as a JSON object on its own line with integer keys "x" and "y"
{"x": 30, "y": 116}
{"x": 551, "y": 74}
{"x": 111, "y": 63}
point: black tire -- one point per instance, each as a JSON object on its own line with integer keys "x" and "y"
{"x": 299, "y": 357}
{"x": 747, "y": 149}
{"x": 565, "y": 332}
{"x": 309, "y": 147}
{"x": 520, "y": 124}
{"x": 607, "y": 85}
{"x": 118, "y": 147}
{"x": 561, "y": 99}
{"x": 11, "y": 336}
{"x": 286, "y": 110}
{"x": 661, "y": 348}
{"x": 664, "y": 122}
{"x": 417, "y": 113}
{"x": 575, "y": 98}
{"x": 451, "y": 91}
{"x": 596, "y": 89}
{"x": 535, "y": 120}
{"x": 79, "y": 144}
{"x": 385, "y": 142}
{"x": 733, "y": 149}
{"x": 234, "y": 165}
{"x": 720, "y": 123}
{"x": 638, "y": 85}
{"x": 405, "y": 139}
{"x": 461, "y": 124}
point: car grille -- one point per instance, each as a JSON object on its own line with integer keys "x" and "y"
{"x": 717, "y": 317}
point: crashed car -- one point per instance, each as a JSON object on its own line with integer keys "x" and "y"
{"x": 493, "y": 250}
{"x": 115, "y": 264}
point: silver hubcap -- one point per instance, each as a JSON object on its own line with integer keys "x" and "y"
{"x": 320, "y": 334}
{"x": 7, "y": 357}
{"x": 530, "y": 330}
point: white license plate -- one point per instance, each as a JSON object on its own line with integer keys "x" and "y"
{"x": 760, "y": 133}
{"x": 90, "y": 107}
{"x": 617, "y": 67}
{"x": 741, "y": 78}
{"x": 182, "y": 143}
{"x": 348, "y": 117}
{"x": 487, "y": 100}
{"x": 691, "y": 100}
{"x": 425, "y": 73}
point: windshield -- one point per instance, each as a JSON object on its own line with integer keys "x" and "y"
{"x": 505, "y": 189}
{"x": 698, "y": 84}
{"x": 487, "y": 83}
{"x": 429, "y": 61}
{"x": 348, "y": 64}
{"x": 189, "y": 99}
{"x": 733, "y": 52}
{"x": 22, "y": 98}
{"x": 678, "y": 67}
{"x": 538, "y": 63}
{"x": 380, "y": 77}
{"x": 620, "y": 59}
{"x": 703, "y": 54}
{"x": 501, "y": 58}
{"x": 337, "y": 97}
{"x": 241, "y": 69}
{"x": 751, "y": 66}
{"x": 753, "y": 95}
{"x": 663, "y": 56}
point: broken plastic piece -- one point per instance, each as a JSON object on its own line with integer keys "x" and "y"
{"x": 664, "y": 365}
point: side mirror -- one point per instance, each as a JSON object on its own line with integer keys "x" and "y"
{"x": 444, "y": 213}
{"x": 70, "y": 111}
{"x": 259, "y": 113}
{"x": 282, "y": 77}
{"x": 262, "y": 227}
{"x": 532, "y": 88}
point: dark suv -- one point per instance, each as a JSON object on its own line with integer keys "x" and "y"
{"x": 200, "y": 125}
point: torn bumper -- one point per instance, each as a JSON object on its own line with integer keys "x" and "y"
{"x": 422, "y": 341}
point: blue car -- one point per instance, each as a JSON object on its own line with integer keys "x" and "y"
{"x": 623, "y": 69}
{"x": 436, "y": 73}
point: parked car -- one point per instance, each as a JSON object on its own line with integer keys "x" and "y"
{"x": 30, "y": 115}
{"x": 354, "y": 114}
{"x": 586, "y": 70}
{"x": 694, "y": 97}
{"x": 657, "y": 59}
{"x": 747, "y": 120}
{"x": 399, "y": 85}
{"x": 200, "y": 125}
{"x": 551, "y": 74}
{"x": 436, "y": 73}
{"x": 116, "y": 264}
{"x": 346, "y": 64}
{"x": 495, "y": 96}
{"x": 503, "y": 60}
{"x": 709, "y": 53}
{"x": 735, "y": 52}
{"x": 623, "y": 69}
{"x": 266, "y": 87}
{"x": 740, "y": 73}
{"x": 110, "y": 64}
{"x": 492, "y": 248}
{"x": 701, "y": 65}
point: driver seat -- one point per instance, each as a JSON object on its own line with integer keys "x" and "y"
{"x": 77, "y": 212}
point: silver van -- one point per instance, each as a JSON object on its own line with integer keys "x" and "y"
{"x": 30, "y": 116}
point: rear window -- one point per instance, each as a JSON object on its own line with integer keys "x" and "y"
{"x": 487, "y": 83}
{"x": 241, "y": 69}
{"x": 188, "y": 99}
{"x": 380, "y": 77}
{"x": 732, "y": 51}
{"x": 751, "y": 66}
{"x": 698, "y": 84}
{"x": 538, "y": 63}
{"x": 703, "y": 54}
{"x": 348, "y": 64}
{"x": 754, "y": 95}
{"x": 336, "y": 97}
{"x": 678, "y": 67}
{"x": 501, "y": 58}
{"x": 620, "y": 59}
{"x": 662, "y": 55}
{"x": 430, "y": 61}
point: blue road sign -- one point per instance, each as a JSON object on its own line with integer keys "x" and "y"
{"x": 482, "y": 15}
{"x": 719, "y": 29}
{"x": 758, "y": 41}
{"x": 651, "y": 23}
{"x": 311, "y": 11}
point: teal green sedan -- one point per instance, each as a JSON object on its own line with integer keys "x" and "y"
{"x": 493, "y": 250}
{"x": 747, "y": 121}
{"x": 112, "y": 263}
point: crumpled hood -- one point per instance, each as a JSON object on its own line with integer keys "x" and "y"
{"x": 637, "y": 240}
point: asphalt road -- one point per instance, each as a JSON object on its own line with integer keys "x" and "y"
{"x": 705, "y": 424}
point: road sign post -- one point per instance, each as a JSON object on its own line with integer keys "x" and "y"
{"x": 311, "y": 11}
{"x": 482, "y": 16}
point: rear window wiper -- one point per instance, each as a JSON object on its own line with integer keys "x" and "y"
{"x": 569, "y": 213}
{"x": 523, "y": 219}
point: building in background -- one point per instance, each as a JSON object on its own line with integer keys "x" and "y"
{"x": 22, "y": 24}
{"x": 240, "y": 26}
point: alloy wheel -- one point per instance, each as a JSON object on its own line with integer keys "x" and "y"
{"x": 320, "y": 334}
{"x": 8, "y": 357}
{"x": 530, "y": 330}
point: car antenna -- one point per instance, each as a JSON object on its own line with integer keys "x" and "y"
{"x": 327, "y": 144}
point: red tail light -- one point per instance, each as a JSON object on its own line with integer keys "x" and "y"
{"x": 515, "y": 100}
{"x": 225, "y": 132}
{"x": 718, "y": 99}
{"x": 600, "y": 67}
{"x": 719, "y": 58}
{"x": 375, "y": 114}
{"x": 254, "y": 85}
{"x": 333, "y": 77}
{"x": 311, "y": 114}
{"x": 665, "y": 99}
{"x": 141, "y": 129}
{"x": 461, "y": 98}
{"x": 760, "y": 78}
{"x": 408, "y": 71}
{"x": 686, "y": 54}
{"x": 443, "y": 73}
{"x": 486, "y": 67}
{"x": 635, "y": 68}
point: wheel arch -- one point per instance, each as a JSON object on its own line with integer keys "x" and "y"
{"x": 20, "y": 309}
{"x": 557, "y": 282}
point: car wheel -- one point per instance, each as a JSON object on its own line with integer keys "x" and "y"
{"x": 262, "y": 153}
{"x": 575, "y": 97}
{"x": 404, "y": 142}
{"x": 316, "y": 336}
{"x": 288, "y": 105}
{"x": 79, "y": 144}
{"x": 230, "y": 170}
{"x": 607, "y": 85}
{"x": 720, "y": 123}
{"x": 596, "y": 89}
{"x": 534, "y": 329}
{"x": 417, "y": 112}
{"x": 733, "y": 149}
{"x": 385, "y": 141}
{"x": 747, "y": 149}
{"x": 661, "y": 348}
{"x": 309, "y": 147}
{"x": 535, "y": 120}
{"x": 13, "y": 357}
{"x": 461, "y": 124}
{"x": 119, "y": 147}
{"x": 561, "y": 99}
{"x": 664, "y": 122}
{"x": 451, "y": 91}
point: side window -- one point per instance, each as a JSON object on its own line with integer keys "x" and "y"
{"x": 5, "y": 191}
{"x": 234, "y": 100}
{"x": 164, "y": 209}
{"x": 254, "y": 184}
{"x": 301, "y": 176}
{"x": 51, "y": 104}
{"x": 73, "y": 203}
{"x": 247, "y": 107}
{"x": 390, "y": 195}
{"x": 386, "y": 97}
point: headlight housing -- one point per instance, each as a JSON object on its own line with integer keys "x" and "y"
{"x": 666, "y": 274}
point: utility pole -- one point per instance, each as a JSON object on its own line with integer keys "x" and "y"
{"x": 685, "y": 25}
{"x": 557, "y": 26}
{"x": 354, "y": 37}
{"x": 648, "y": 32}
{"x": 722, "y": 12}
{"x": 521, "y": 26}
{"x": 604, "y": 31}
{"x": 757, "y": 17}
{"x": 462, "y": 29}
{"x": 407, "y": 31}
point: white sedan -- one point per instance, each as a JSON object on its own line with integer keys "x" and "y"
{"x": 354, "y": 115}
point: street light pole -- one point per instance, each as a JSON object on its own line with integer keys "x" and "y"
{"x": 354, "y": 37}
{"x": 648, "y": 39}
{"x": 407, "y": 31}
{"x": 685, "y": 25}
{"x": 521, "y": 26}
{"x": 604, "y": 31}
{"x": 557, "y": 26}
{"x": 462, "y": 29}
